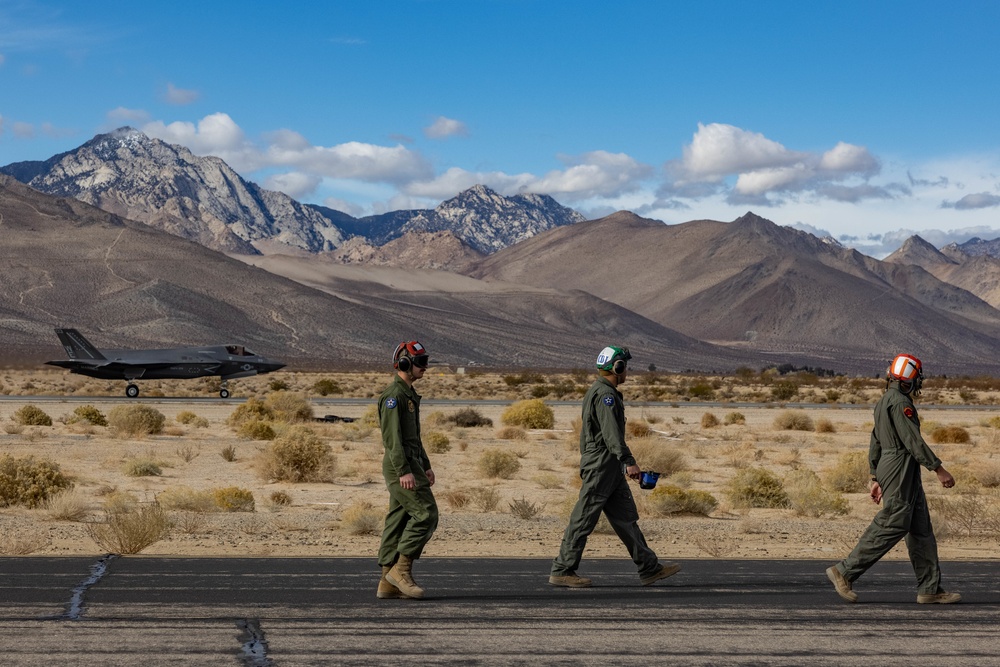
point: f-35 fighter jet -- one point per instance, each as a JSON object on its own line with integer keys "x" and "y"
{"x": 227, "y": 361}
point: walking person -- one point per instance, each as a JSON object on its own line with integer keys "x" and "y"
{"x": 413, "y": 512}
{"x": 606, "y": 464}
{"x": 896, "y": 452}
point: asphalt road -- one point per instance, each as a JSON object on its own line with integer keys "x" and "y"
{"x": 306, "y": 611}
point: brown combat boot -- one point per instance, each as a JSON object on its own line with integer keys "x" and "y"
{"x": 401, "y": 576}
{"x": 571, "y": 580}
{"x": 387, "y": 591}
{"x": 841, "y": 584}
{"x": 940, "y": 597}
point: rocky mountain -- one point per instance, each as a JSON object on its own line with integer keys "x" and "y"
{"x": 202, "y": 199}
{"x": 413, "y": 250}
{"x": 750, "y": 284}
{"x": 128, "y": 285}
{"x": 481, "y": 218}
{"x": 976, "y": 247}
{"x": 169, "y": 188}
{"x": 975, "y": 273}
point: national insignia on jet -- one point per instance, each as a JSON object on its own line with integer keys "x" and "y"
{"x": 609, "y": 401}
{"x": 390, "y": 403}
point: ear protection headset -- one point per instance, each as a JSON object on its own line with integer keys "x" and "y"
{"x": 402, "y": 357}
{"x": 619, "y": 366}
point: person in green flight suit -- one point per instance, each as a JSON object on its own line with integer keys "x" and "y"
{"x": 606, "y": 464}
{"x": 413, "y": 512}
{"x": 896, "y": 452}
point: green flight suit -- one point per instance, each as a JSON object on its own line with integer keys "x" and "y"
{"x": 895, "y": 455}
{"x": 413, "y": 514}
{"x": 603, "y": 455}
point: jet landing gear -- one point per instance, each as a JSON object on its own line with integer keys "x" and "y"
{"x": 224, "y": 392}
{"x": 132, "y": 390}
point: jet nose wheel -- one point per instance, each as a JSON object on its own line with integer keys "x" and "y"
{"x": 132, "y": 390}
{"x": 224, "y": 393}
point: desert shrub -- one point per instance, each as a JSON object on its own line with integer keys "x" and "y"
{"x": 326, "y": 386}
{"x": 532, "y": 413}
{"x": 142, "y": 466}
{"x": 495, "y": 463}
{"x": 652, "y": 454}
{"x": 186, "y": 499}
{"x": 67, "y": 505}
{"x": 949, "y": 434}
{"x": 370, "y": 417}
{"x": 734, "y": 418}
{"x": 994, "y": 422}
{"x": 486, "y": 498}
{"x": 512, "y": 433}
{"x": 298, "y": 455}
{"x": 436, "y": 442}
{"x": 131, "y": 528}
{"x": 825, "y": 426}
{"x": 29, "y": 482}
{"x": 188, "y": 453}
{"x": 277, "y": 385}
{"x": 228, "y": 453}
{"x": 708, "y": 420}
{"x": 850, "y": 474}
{"x": 525, "y": 509}
{"x": 457, "y": 498}
{"x": 290, "y": 407}
{"x": 968, "y": 512}
{"x": 185, "y": 417}
{"x": 89, "y": 414}
{"x": 637, "y": 428}
{"x": 30, "y": 415}
{"x": 470, "y": 418}
{"x": 255, "y": 429}
{"x": 793, "y": 420}
{"x": 547, "y": 481}
{"x": 362, "y": 518}
{"x": 670, "y": 499}
{"x": 784, "y": 390}
{"x": 280, "y": 498}
{"x": 252, "y": 409}
{"x": 808, "y": 496}
{"x": 756, "y": 487}
{"x": 233, "y": 499}
{"x": 987, "y": 474}
{"x": 135, "y": 420}
{"x": 436, "y": 418}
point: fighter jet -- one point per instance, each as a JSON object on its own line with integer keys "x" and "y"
{"x": 227, "y": 361}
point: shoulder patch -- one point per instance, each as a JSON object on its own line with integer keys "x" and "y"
{"x": 908, "y": 411}
{"x": 390, "y": 402}
{"x": 609, "y": 400}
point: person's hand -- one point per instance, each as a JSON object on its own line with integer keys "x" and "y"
{"x": 875, "y": 491}
{"x": 947, "y": 481}
{"x": 408, "y": 481}
{"x": 633, "y": 472}
{"x": 430, "y": 476}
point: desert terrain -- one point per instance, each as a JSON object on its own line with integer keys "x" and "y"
{"x": 733, "y": 426}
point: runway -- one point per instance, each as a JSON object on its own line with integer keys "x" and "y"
{"x": 149, "y": 611}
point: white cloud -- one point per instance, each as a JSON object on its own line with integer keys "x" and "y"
{"x": 23, "y": 130}
{"x": 759, "y": 168}
{"x": 973, "y": 201}
{"x": 344, "y": 206}
{"x": 121, "y": 116}
{"x": 180, "y": 96}
{"x": 294, "y": 184}
{"x": 442, "y": 128}
{"x": 215, "y": 134}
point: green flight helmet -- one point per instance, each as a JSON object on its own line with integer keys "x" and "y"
{"x": 613, "y": 359}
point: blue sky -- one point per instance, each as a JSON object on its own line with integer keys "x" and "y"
{"x": 870, "y": 121}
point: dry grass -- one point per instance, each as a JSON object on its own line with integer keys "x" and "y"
{"x": 131, "y": 529}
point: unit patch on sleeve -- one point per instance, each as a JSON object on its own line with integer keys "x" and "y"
{"x": 390, "y": 402}
{"x": 609, "y": 401}
{"x": 908, "y": 411}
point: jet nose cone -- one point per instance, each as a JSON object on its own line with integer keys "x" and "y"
{"x": 274, "y": 365}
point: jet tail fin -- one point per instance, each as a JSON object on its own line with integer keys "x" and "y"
{"x": 77, "y": 347}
